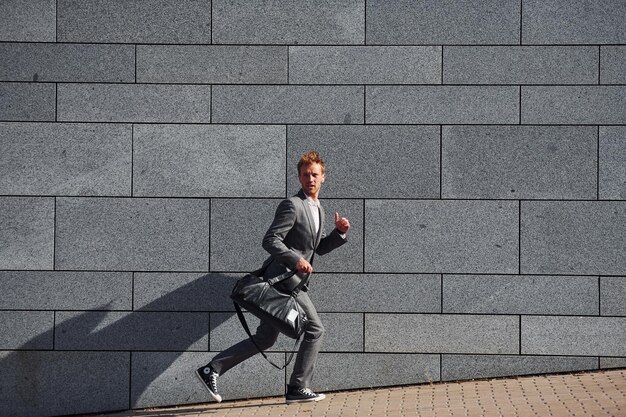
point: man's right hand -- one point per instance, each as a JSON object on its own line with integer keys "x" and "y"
{"x": 304, "y": 266}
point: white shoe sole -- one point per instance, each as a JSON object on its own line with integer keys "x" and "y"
{"x": 215, "y": 396}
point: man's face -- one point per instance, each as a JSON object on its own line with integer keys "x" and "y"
{"x": 311, "y": 178}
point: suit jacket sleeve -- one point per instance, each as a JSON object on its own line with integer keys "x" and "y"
{"x": 284, "y": 220}
{"x": 330, "y": 242}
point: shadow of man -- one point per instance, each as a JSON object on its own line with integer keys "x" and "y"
{"x": 95, "y": 363}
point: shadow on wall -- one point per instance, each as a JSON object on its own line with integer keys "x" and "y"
{"x": 88, "y": 370}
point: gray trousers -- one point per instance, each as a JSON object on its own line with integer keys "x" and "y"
{"x": 266, "y": 336}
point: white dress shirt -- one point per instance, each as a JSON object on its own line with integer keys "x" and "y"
{"x": 315, "y": 211}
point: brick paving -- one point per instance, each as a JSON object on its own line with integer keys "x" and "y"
{"x": 589, "y": 394}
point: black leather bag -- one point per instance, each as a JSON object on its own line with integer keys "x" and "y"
{"x": 263, "y": 300}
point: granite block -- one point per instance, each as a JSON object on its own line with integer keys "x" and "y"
{"x": 581, "y": 336}
{"x": 573, "y": 105}
{"x": 380, "y": 293}
{"x": 67, "y": 62}
{"x": 63, "y": 383}
{"x": 436, "y": 22}
{"x": 464, "y": 367}
{"x": 238, "y": 226}
{"x": 137, "y": 103}
{"x": 519, "y": 294}
{"x": 63, "y": 290}
{"x": 288, "y": 22}
{"x": 132, "y": 234}
{"x": 613, "y": 296}
{"x": 573, "y": 237}
{"x": 26, "y": 330}
{"x": 168, "y": 378}
{"x": 612, "y": 162}
{"x": 365, "y": 64}
{"x": 135, "y": 21}
{"x": 28, "y": 21}
{"x": 209, "y": 161}
{"x": 27, "y": 102}
{"x": 171, "y": 291}
{"x": 26, "y": 232}
{"x": 62, "y": 159}
{"x": 102, "y": 330}
{"x": 287, "y": 104}
{"x": 344, "y": 332}
{"x": 212, "y": 64}
{"x": 610, "y": 363}
{"x": 442, "y": 104}
{"x": 519, "y": 162}
{"x": 431, "y": 236}
{"x": 449, "y": 333}
{"x": 384, "y": 161}
{"x": 342, "y": 371}
{"x": 573, "y": 22}
{"x": 613, "y": 64}
{"x": 520, "y": 65}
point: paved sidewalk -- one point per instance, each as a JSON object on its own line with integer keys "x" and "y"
{"x": 601, "y": 393}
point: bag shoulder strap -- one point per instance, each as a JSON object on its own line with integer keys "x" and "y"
{"x": 242, "y": 319}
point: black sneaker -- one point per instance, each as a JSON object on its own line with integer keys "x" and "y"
{"x": 209, "y": 378}
{"x": 301, "y": 395}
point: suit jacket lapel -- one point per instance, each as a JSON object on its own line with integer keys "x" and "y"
{"x": 320, "y": 232}
{"x": 309, "y": 217}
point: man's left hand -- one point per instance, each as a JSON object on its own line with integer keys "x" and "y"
{"x": 341, "y": 224}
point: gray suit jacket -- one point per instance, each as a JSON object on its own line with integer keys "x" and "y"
{"x": 292, "y": 236}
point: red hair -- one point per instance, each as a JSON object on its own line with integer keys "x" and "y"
{"x": 311, "y": 158}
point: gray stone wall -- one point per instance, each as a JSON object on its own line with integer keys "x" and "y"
{"x": 478, "y": 148}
